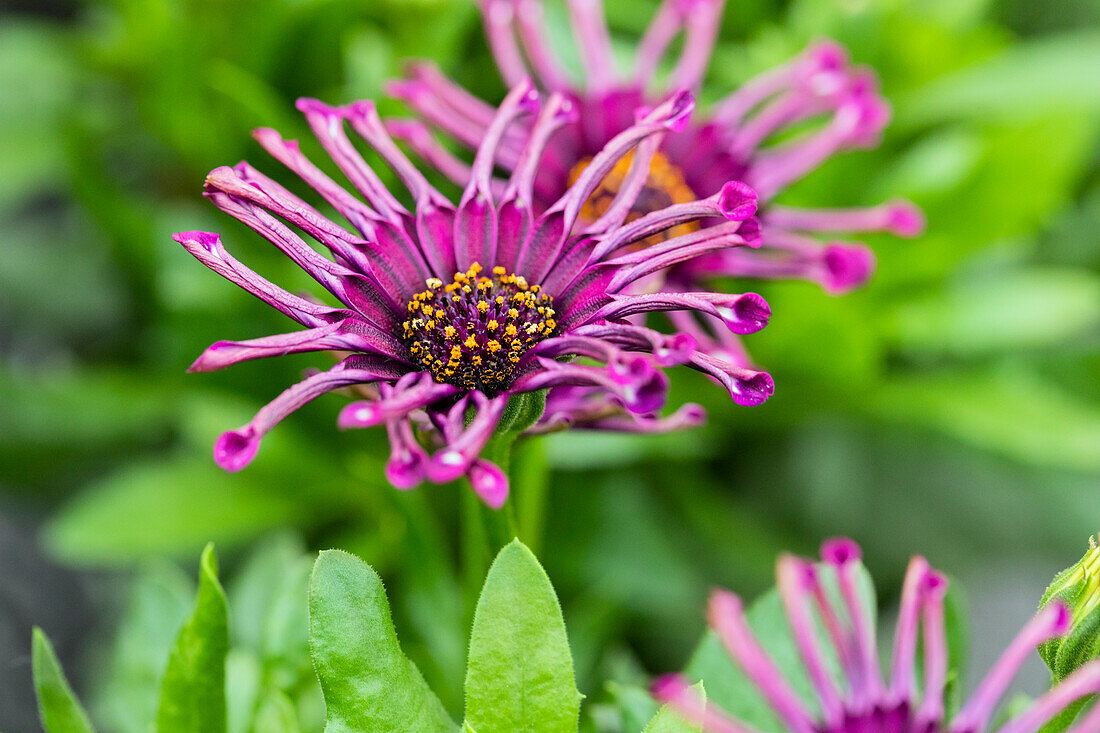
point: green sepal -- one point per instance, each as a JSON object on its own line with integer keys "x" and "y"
{"x": 522, "y": 411}
{"x": 1078, "y": 588}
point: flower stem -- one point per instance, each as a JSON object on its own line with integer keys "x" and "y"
{"x": 530, "y": 484}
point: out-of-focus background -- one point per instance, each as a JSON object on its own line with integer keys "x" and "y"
{"x": 951, "y": 408}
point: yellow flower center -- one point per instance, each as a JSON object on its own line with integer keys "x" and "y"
{"x": 665, "y": 185}
{"x": 472, "y": 331}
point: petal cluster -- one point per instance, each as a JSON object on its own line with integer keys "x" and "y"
{"x": 446, "y": 310}
{"x": 834, "y": 622}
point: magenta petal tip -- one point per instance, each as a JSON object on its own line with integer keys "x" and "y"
{"x": 755, "y": 390}
{"x": 906, "y": 219}
{"x": 737, "y": 201}
{"x": 404, "y": 474}
{"x": 361, "y": 414}
{"x": 847, "y": 266}
{"x": 668, "y": 687}
{"x": 489, "y": 483}
{"x": 748, "y": 314}
{"x": 206, "y": 240}
{"x": 828, "y": 55}
{"x": 683, "y": 104}
{"x": 235, "y": 449}
{"x": 840, "y": 551}
{"x": 750, "y": 232}
{"x": 446, "y": 466}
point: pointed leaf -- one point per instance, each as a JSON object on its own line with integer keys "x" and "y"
{"x": 57, "y": 705}
{"x": 520, "y": 671}
{"x": 192, "y": 695}
{"x": 368, "y": 683}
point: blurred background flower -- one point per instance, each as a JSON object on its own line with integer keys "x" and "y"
{"x": 952, "y": 407}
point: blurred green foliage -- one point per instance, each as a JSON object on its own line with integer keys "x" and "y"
{"x": 952, "y": 407}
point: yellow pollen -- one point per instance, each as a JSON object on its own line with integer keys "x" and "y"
{"x": 455, "y": 329}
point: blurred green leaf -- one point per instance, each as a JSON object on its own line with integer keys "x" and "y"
{"x": 157, "y": 603}
{"x": 1038, "y": 307}
{"x": 520, "y": 672}
{"x": 367, "y": 681}
{"x": 162, "y": 506}
{"x": 192, "y": 697}
{"x": 1015, "y": 412}
{"x": 1034, "y": 78}
{"x": 61, "y": 712}
{"x": 277, "y": 715}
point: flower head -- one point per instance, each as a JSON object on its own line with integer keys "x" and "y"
{"x": 837, "y": 106}
{"x": 447, "y": 311}
{"x": 862, "y": 699}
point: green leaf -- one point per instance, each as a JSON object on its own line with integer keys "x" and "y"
{"x": 368, "y": 683}
{"x": 1025, "y": 309}
{"x": 277, "y": 715}
{"x": 986, "y": 409}
{"x": 520, "y": 671}
{"x": 1056, "y": 73}
{"x": 158, "y": 601}
{"x": 667, "y": 721}
{"x": 57, "y": 705}
{"x": 170, "y": 505}
{"x": 192, "y": 695}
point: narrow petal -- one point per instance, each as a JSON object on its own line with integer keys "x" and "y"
{"x": 795, "y": 579}
{"x": 1084, "y": 682}
{"x": 594, "y": 42}
{"x": 327, "y": 124}
{"x": 235, "y": 449}
{"x": 408, "y": 461}
{"x": 741, "y": 313}
{"x": 207, "y": 248}
{"x": 931, "y": 710}
{"x": 455, "y": 458}
{"x": 746, "y": 387}
{"x": 415, "y": 394}
{"x": 498, "y": 16}
{"x": 703, "y": 23}
{"x": 726, "y": 616}
{"x": 902, "y": 218}
{"x": 1052, "y": 621}
{"x": 902, "y": 684}
{"x": 350, "y": 334}
{"x": 735, "y": 202}
{"x": 644, "y": 398}
{"x": 666, "y": 350}
{"x": 488, "y": 482}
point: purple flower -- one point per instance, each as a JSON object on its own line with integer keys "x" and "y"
{"x": 735, "y": 141}
{"x": 861, "y": 699}
{"x": 447, "y": 311}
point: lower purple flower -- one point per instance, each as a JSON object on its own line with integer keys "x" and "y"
{"x": 862, "y": 699}
{"x": 448, "y": 311}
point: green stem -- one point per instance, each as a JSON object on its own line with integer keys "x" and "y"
{"x": 476, "y": 553}
{"x": 529, "y": 491}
